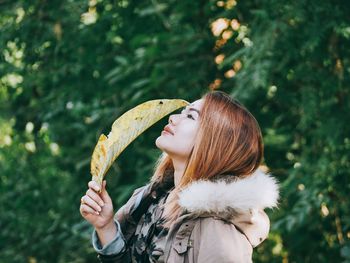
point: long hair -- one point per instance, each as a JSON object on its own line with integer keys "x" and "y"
{"x": 228, "y": 142}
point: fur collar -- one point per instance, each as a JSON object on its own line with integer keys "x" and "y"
{"x": 258, "y": 191}
{"x": 241, "y": 201}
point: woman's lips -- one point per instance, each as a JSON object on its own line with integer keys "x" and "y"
{"x": 167, "y": 129}
{"x": 166, "y": 132}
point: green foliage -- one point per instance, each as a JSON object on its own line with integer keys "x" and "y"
{"x": 38, "y": 204}
{"x": 69, "y": 68}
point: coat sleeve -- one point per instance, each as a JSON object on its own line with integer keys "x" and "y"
{"x": 222, "y": 242}
{"x": 114, "y": 247}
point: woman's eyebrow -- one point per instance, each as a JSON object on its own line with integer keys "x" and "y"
{"x": 192, "y": 109}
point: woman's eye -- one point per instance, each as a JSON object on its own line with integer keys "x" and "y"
{"x": 190, "y": 116}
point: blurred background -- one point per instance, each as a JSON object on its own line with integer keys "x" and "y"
{"x": 69, "y": 68}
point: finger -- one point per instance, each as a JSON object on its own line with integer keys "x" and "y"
{"x": 94, "y": 186}
{"x": 92, "y": 194}
{"x": 85, "y": 209}
{"x": 104, "y": 194}
{"x": 90, "y": 202}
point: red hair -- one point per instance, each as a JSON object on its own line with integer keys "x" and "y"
{"x": 228, "y": 141}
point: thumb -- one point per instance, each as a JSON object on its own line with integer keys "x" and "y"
{"x": 104, "y": 194}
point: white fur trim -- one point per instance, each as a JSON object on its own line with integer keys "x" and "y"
{"x": 257, "y": 191}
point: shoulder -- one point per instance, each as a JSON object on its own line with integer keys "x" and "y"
{"x": 220, "y": 240}
{"x": 139, "y": 202}
{"x": 218, "y": 230}
{"x": 124, "y": 213}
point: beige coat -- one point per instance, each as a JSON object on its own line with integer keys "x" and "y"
{"x": 222, "y": 220}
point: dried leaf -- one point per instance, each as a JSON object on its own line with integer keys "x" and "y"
{"x": 126, "y": 129}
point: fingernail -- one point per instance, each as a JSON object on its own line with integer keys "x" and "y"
{"x": 97, "y": 213}
{"x": 99, "y": 209}
{"x": 102, "y": 204}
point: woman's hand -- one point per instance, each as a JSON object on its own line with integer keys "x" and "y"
{"x": 97, "y": 208}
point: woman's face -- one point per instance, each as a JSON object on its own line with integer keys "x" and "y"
{"x": 178, "y": 141}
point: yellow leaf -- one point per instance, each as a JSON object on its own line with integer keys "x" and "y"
{"x": 125, "y": 130}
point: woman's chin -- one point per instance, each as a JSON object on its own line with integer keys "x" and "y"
{"x": 161, "y": 146}
{"x": 158, "y": 143}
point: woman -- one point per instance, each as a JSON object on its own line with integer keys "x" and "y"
{"x": 206, "y": 199}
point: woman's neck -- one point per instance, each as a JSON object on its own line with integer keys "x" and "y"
{"x": 179, "y": 169}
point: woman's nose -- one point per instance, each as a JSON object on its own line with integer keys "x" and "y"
{"x": 172, "y": 119}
